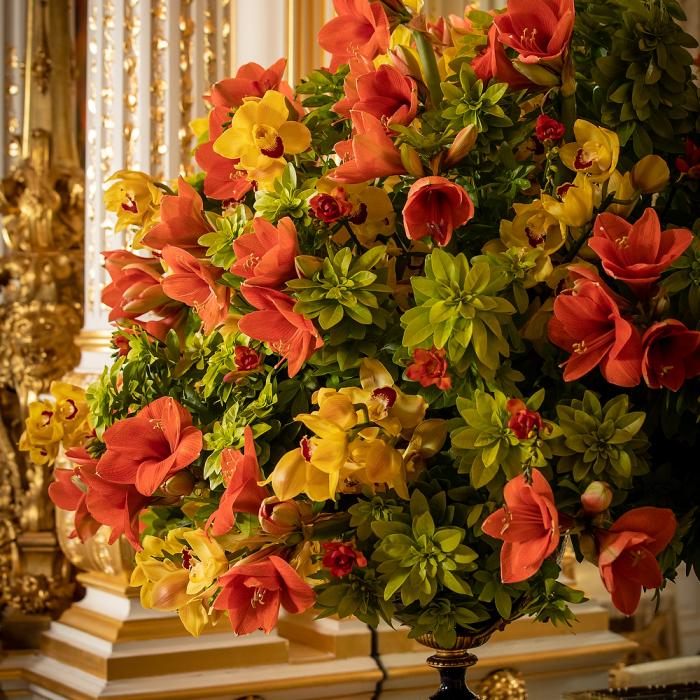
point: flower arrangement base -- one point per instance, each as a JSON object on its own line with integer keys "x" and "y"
{"x": 452, "y": 664}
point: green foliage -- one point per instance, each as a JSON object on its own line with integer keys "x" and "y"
{"x": 286, "y": 198}
{"x": 219, "y": 242}
{"x": 684, "y": 281}
{"x": 645, "y": 78}
{"x": 601, "y": 442}
{"x": 414, "y": 560}
{"x": 459, "y": 307}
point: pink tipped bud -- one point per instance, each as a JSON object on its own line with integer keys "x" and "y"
{"x": 596, "y": 498}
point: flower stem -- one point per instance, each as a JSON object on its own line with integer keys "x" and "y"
{"x": 429, "y": 66}
{"x": 568, "y": 96}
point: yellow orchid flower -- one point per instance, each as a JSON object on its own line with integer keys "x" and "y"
{"x": 427, "y": 440}
{"x": 650, "y": 174}
{"x": 533, "y": 227}
{"x": 379, "y": 464}
{"x": 574, "y": 203}
{"x": 261, "y": 135}
{"x": 185, "y": 585}
{"x": 72, "y": 412}
{"x": 134, "y": 198}
{"x": 625, "y": 191}
{"x": 43, "y": 433}
{"x": 595, "y": 151}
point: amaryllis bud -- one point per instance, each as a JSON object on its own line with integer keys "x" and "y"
{"x": 411, "y": 160}
{"x": 281, "y": 518}
{"x": 170, "y": 592}
{"x": 307, "y": 265}
{"x": 462, "y": 145}
{"x": 596, "y": 498}
{"x": 180, "y": 484}
{"x": 651, "y": 174}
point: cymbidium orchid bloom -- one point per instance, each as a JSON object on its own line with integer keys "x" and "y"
{"x": 134, "y": 197}
{"x": 637, "y": 253}
{"x": 573, "y": 205}
{"x": 595, "y": 151}
{"x": 260, "y": 135}
{"x": 194, "y": 283}
{"x": 42, "y": 433}
{"x": 628, "y": 551}
{"x": 528, "y": 524}
{"x": 182, "y": 221}
{"x": 533, "y": 227}
{"x": 180, "y": 574}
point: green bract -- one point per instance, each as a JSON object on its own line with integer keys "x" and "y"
{"x": 219, "y": 242}
{"x": 415, "y": 559}
{"x": 601, "y": 441}
{"x": 459, "y": 307}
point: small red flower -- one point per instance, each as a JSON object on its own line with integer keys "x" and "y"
{"x": 245, "y": 358}
{"x": 671, "y": 354}
{"x": 330, "y": 208}
{"x": 340, "y": 559}
{"x": 548, "y": 129}
{"x": 434, "y": 208}
{"x": 430, "y": 367}
{"x": 523, "y": 422}
{"x": 690, "y": 164}
{"x": 627, "y": 554}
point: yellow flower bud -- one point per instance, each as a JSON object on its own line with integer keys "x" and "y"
{"x": 462, "y": 145}
{"x": 650, "y": 174}
{"x": 411, "y": 160}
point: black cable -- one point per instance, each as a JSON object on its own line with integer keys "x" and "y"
{"x": 374, "y": 653}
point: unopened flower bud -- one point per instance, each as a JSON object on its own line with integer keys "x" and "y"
{"x": 280, "y": 518}
{"x": 180, "y": 484}
{"x": 170, "y": 592}
{"x": 307, "y": 265}
{"x": 651, "y": 174}
{"x": 462, "y": 145}
{"x": 596, "y": 498}
{"x": 411, "y": 160}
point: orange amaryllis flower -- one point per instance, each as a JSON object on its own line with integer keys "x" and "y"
{"x": 135, "y": 288}
{"x": 493, "y": 62}
{"x": 195, "y": 283}
{"x": 370, "y": 153}
{"x": 671, "y": 355}
{"x": 637, "y": 253}
{"x": 360, "y": 27}
{"x": 182, "y": 221}
{"x": 148, "y": 448}
{"x": 539, "y": 31}
{"x": 435, "y": 207}
{"x": 241, "y": 474}
{"x": 384, "y": 93}
{"x": 265, "y": 257}
{"x": 252, "y": 594}
{"x": 222, "y": 179}
{"x": 275, "y": 323}
{"x": 627, "y": 554}
{"x": 587, "y": 323}
{"x": 528, "y": 524}
{"x": 251, "y": 80}
{"x": 430, "y": 367}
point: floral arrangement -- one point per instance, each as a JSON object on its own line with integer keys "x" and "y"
{"x": 412, "y": 324}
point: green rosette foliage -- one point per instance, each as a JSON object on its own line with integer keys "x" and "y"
{"x": 601, "y": 442}
{"x": 458, "y": 307}
{"x": 415, "y": 559}
{"x": 219, "y": 242}
{"x": 684, "y": 280}
{"x": 285, "y": 199}
{"x": 487, "y": 448}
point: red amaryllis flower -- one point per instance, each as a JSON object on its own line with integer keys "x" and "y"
{"x": 66, "y": 494}
{"x": 690, "y": 164}
{"x": 493, "y": 62}
{"x": 253, "y": 593}
{"x": 148, "y": 448}
{"x": 671, "y": 354}
{"x": 195, "y": 283}
{"x": 637, "y": 253}
{"x": 384, "y": 93}
{"x": 528, "y": 524}
{"x": 360, "y": 27}
{"x": 587, "y": 323}
{"x": 241, "y": 474}
{"x": 523, "y": 422}
{"x": 539, "y": 31}
{"x": 627, "y": 554}
{"x": 340, "y": 559}
{"x": 430, "y": 367}
{"x": 286, "y": 332}
{"x": 329, "y": 207}
{"x": 182, "y": 221}
{"x": 252, "y": 80}
{"x": 222, "y": 180}
{"x": 548, "y": 129}
{"x": 265, "y": 257}
{"x": 435, "y": 207}
{"x": 136, "y": 286}
{"x": 368, "y": 154}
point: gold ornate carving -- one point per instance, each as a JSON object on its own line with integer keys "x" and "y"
{"x": 186, "y": 26}
{"x": 159, "y": 55}
{"x": 504, "y": 684}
